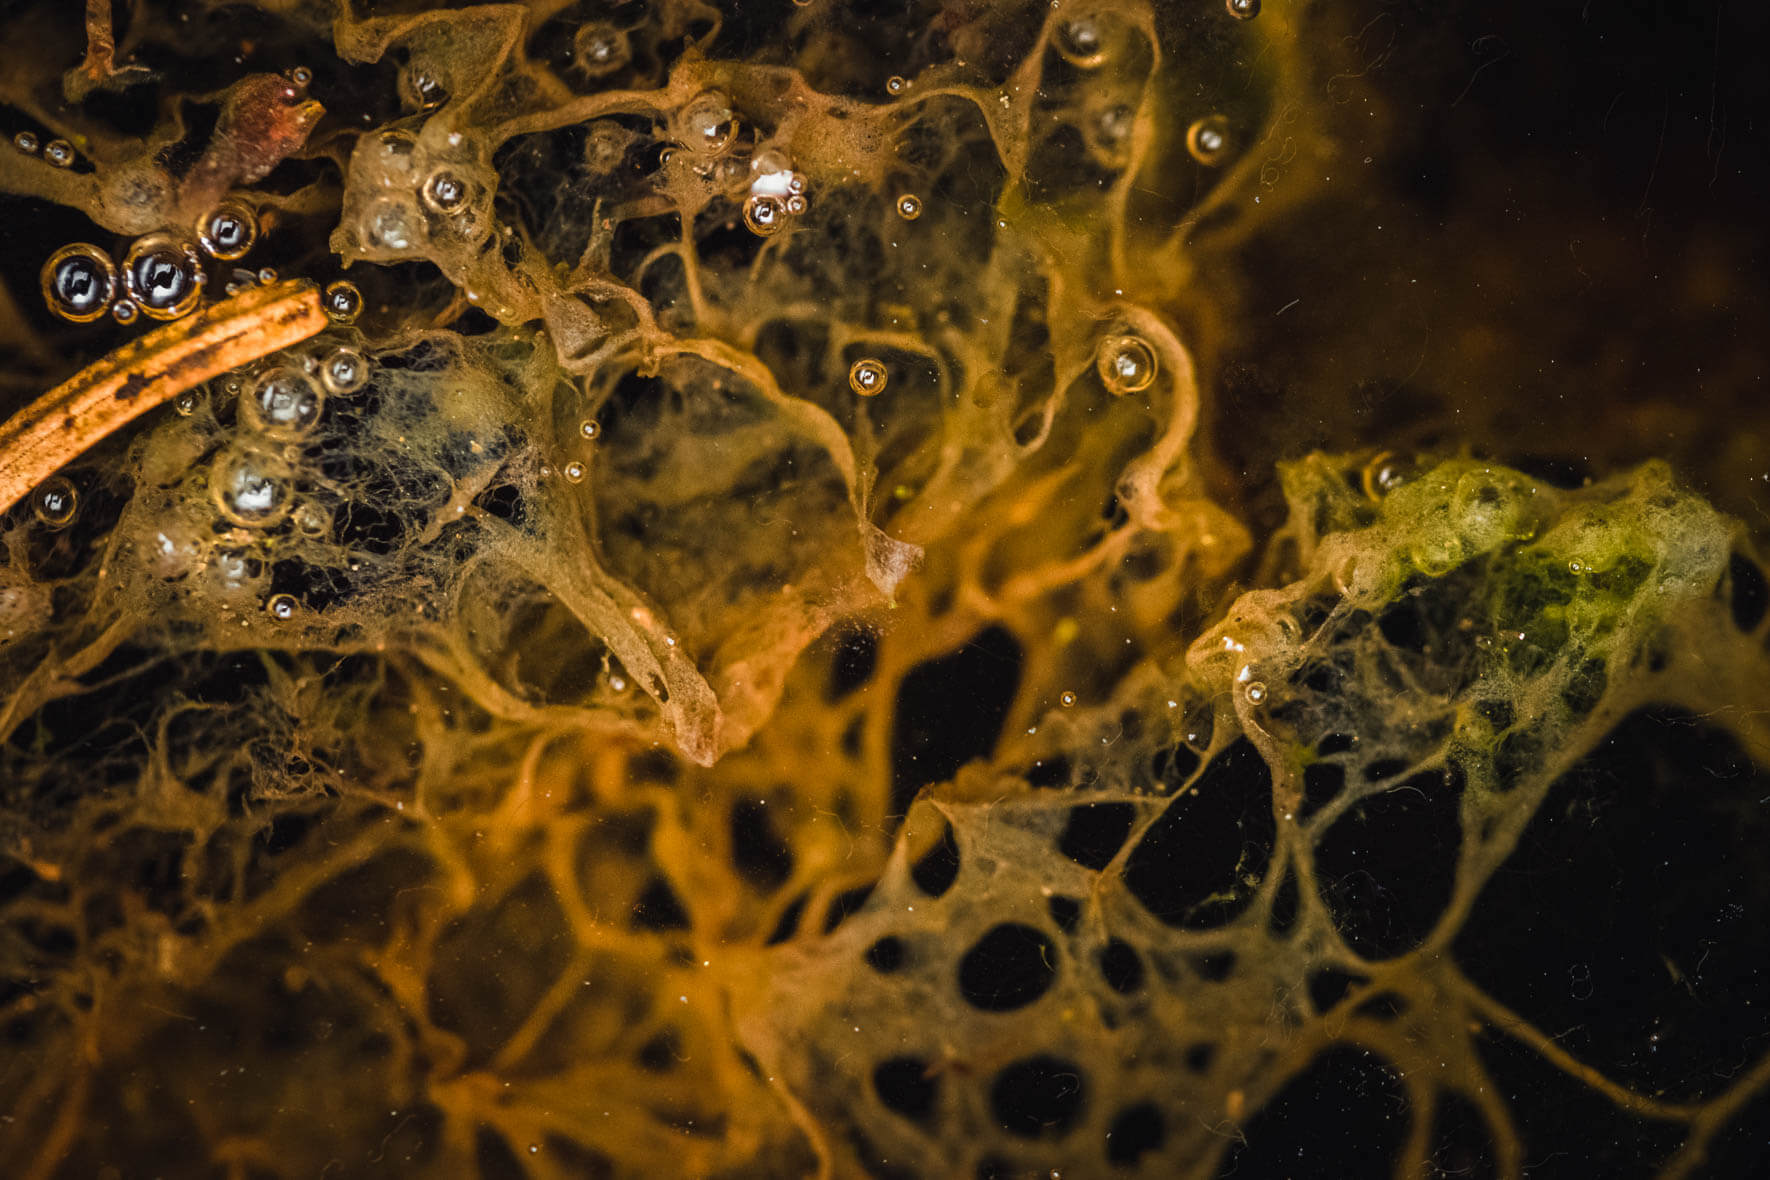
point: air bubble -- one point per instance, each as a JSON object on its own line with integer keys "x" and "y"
{"x": 250, "y": 486}
{"x": 909, "y": 206}
{"x": 590, "y": 429}
{"x": 1067, "y": 699}
{"x": 444, "y": 192}
{"x": 186, "y": 403}
{"x": 311, "y": 520}
{"x": 300, "y": 76}
{"x": 1383, "y": 474}
{"x": 267, "y": 275}
{"x": 895, "y": 85}
{"x": 79, "y": 281}
{"x": 283, "y": 402}
{"x": 26, "y": 142}
{"x": 600, "y": 48}
{"x": 1576, "y": 567}
{"x": 55, "y": 502}
{"x": 1126, "y": 364}
{"x": 345, "y": 371}
{"x": 706, "y": 124}
{"x": 174, "y": 551}
{"x": 389, "y": 226}
{"x": 1256, "y": 693}
{"x": 163, "y": 275}
{"x": 1082, "y": 42}
{"x": 124, "y": 311}
{"x": 573, "y": 472}
{"x": 765, "y": 215}
{"x": 282, "y": 607}
{"x": 343, "y": 302}
{"x": 399, "y": 154}
{"x": 1208, "y": 139}
{"x": 420, "y": 89}
{"x": 59, "y": 152}
{"x": 1243, "y": 9}
{"x": 868, "y": 377}
{"x": 228, "y": 231}
{"x": 796, "y": 205}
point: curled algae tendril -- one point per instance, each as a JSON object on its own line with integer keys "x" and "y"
{"x": 868, "y": 377}
{"x": 147, "y": 373}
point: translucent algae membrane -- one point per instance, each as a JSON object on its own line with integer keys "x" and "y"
{"x": 793, "y": 624}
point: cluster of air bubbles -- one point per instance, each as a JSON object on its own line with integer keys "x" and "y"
{"x": 777, "y": 193}
{"x": 250, "y": 486}
{"x": 1208, "y": 139}
{"x": 344, "y": 303}
{"x": 283, "y": 403}
{"x": 1126, "y": 364}
{"x": 706, "y": 124}
{"x": 909, "y": 206}
{"x": 344, "y": 371}
{"x": 56, "y": 502}
{"x": 1243, "y": 9}
{"x": 420, "y": 89}
{"x": 868, "y": 377}
{"x": 600, "y": 48}
{"x": 163, "y": 275}
{"x": 1081, "y": 41}
{"x": 228, "y": 231}
{"x": 79, "y": 282}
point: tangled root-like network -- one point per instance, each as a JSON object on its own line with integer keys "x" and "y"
{"x": 725, "y": 658}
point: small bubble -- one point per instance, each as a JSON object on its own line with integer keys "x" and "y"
{"x": 79, "y": 281}
{"x": 444, "y": 192}
{"x": 1256, "y": 693}
{"x": 796, "y": 183}
{"x": 590, "y": 428}
{"x": 124, "y": 311}
{"x": 895, "y": 85}
{"x": 1126, "y": 364}
{"x": 1081, "y": 42}
{"x": 267, "y": 275}
{"x": 343, "y": 302}
{"x": 250, "y": 486}
{"x": 765, "y": 215}
{"x": 26, "y": 142}
{"x": 1208, "y": 139}
{"x": 1243, "y": 9}
{"x": 310, "y": 520}
{"x": 301, "y": 76}
{"x": 706, "y": 123}
{"x": 55, "y": 502}
{"x": 389, "y": 226}
{"x": 59, "y": 152}
{"x": 282, "y": 607}
{"x": 420, "y": 89}
{"x": 574, "y": 472}
{"x": 1383, "y": 474}
{"x": 228, "y": 231}
{"x": 600, "y": 48}
{"x": 186, "y": 403}
{"x": 1576, "y": 567}
{"x": 909, "y": 206}
{"x": 1067, "y": 699}
{"x": 345, "y": 371}
{"x": 162, "y": 274}
{"x": 283, "y": 402}
{"x": 797, "y": 204}
{"x": 868, "y": 377}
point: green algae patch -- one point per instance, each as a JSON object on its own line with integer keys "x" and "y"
{"x": 1464, "y": 613}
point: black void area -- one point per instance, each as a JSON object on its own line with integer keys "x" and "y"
{"x": 1461, "y": 1146}
{"x": 1632, "y": 922}
{"x": 1569, "y": 1131}
{"x": 1200, "y": 864}
{"x": 1345, "y": 1115}
{"x": 950, "y": 711}
{"x": 1388, "y": 863}
{"x": 1011, "y": 966}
